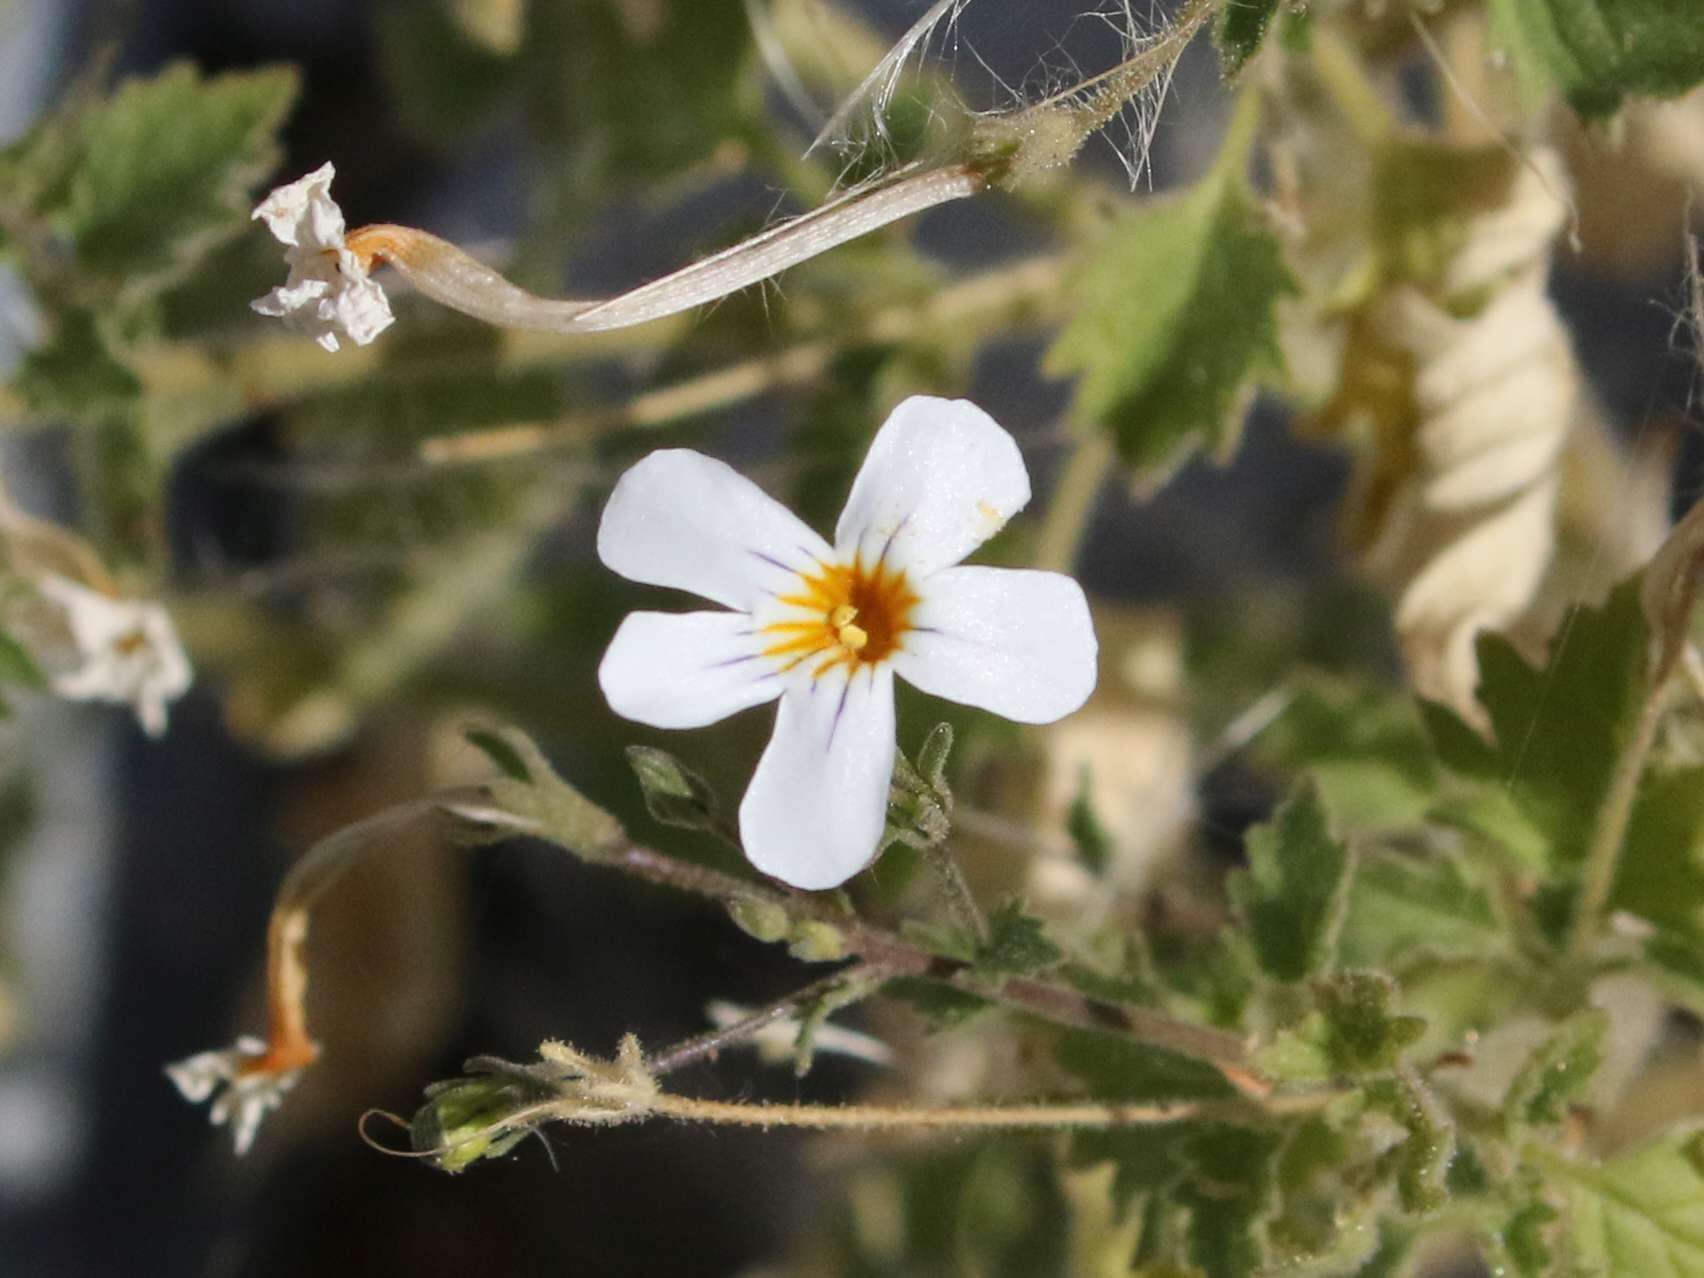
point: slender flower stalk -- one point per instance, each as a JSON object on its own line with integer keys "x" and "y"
{"x": 329, "y": 292}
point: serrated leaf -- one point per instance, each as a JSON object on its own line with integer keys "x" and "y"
{"x": 1117, "y": 1068}
{"x": 1229, "y": 1190}
{"x": 1557, "y": 1072}
{"x": 1241, "y": 29}
{"x": 1598, "y": 52}
{"x": 1175, "y": 321}
{"x": 1293, "y": 893}
{"x": 1423, "y": 1159}
{"x": 1017, "y": 942}
{"x": 75, "y": 374}
{"x": 167, "y": 165}
{"x": 1364, "y": 748}
{"x": 1363, "y": 1032}
{"x": 1526, "y": 1242}
{"x": 1639, "y": 1214}
{"x": 1402, "y": 907}
{"x": 1559, "y": 728}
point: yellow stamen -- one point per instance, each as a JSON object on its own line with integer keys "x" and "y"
{"x": 854, "y": 616}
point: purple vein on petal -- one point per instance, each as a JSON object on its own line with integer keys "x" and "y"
{"x": 772, "y": 560}
{"x": 834, "y": 724}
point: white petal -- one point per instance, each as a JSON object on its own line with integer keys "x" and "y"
{"x": 360, "y": 307}
{"x": 818, "y": 803}
{"x": 682, "y": 519}
{"x": 308, "y": 197}
{"x": 1017, "y": 642}
{"x": 941, "y": 478}
{"x": 684, "y": 670}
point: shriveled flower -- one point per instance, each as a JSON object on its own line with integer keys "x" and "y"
{"x": 242, "y": 1082}
{"x": 825, "y": 628}
{"x": 122, "y": 650}
{"x": 328, "y": 293}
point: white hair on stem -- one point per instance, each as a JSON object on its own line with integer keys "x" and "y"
{"x": 879, "y": 86}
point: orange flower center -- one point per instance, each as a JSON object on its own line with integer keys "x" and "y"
{"x": 853, "y": 617}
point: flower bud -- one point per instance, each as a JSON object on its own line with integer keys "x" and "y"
{"x": 814, "y": 942}
{"x": 674, "y": 794}
{"x": 760, "y": 919}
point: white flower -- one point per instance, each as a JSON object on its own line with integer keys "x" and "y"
{"x": 328, "y": 293}
{"x": 126, "y": 650}
{"x": 825, "y": 628}
{"x": 247, "y": 1091}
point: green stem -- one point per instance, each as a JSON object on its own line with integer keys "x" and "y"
{"x": 1073, "y": 502}
{"x": 957, "y": 891}
{"x": 1603, "y": 854}
{"x": 882, "y": 949}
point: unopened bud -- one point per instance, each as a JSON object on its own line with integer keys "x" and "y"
{"x": 762, "y": 920}
{"x": 674, "y": 794}
{"x": 466, "y": 1119}
{"x": 814, "y": 942}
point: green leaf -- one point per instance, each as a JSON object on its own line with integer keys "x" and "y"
{"x": 1175, "y": 320}
{"x": 1293, "y": 893}
{"x": 1364, "y": 748}
{"x": 1526, "y": 1246}
{"x": 1557, "y": 729}
{"x": 1354, "y": 1030}
{"x": 1118, "y": 1068}
{"x": 1145, "y": 1158}
{"x": 1557, "y": 1072}
{"x": 1241, "y": 28}
{"x": 943, "y": 1006}
{"x": 1598, "y": 52}
{"x": 75, "y": 374}
{"x": 1639, "y": 1214}
{"x": 1406, "y": 907}
{"x": 1017, "y": 943}
{"x": 167, "y": 167}
{"x": 1094, "y": 844}
{"x": 1660, "y": 876}
{"x": 16, "y": 664}
{"x": 1423, "y": 1160}
{"x": 1229, "y": 1190}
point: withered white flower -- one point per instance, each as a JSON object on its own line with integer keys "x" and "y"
{"x": 123, "y": 650}
{"x": 246, "y": 1090}
{"x": 825, "y": 628}
{"x": 328, "y": 293}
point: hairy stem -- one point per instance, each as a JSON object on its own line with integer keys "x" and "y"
{"x": 885, "y": 950}
{"x": 960, "y": 900}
